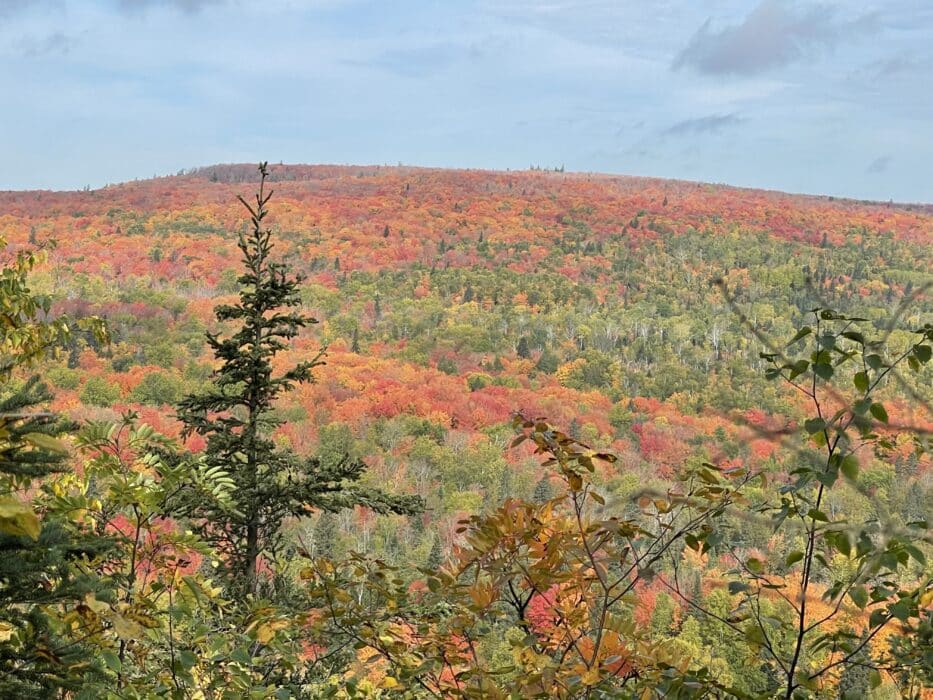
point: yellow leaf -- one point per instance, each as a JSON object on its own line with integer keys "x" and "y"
{"x": 265, "y": 633}
{"x": 97, "y": 606}
{"x": 267, "y": 629}
{"x": 126, "y": 628}
{"x": 388, "y": 683}
{"x": 6, "y": 631}
{"x": 17, "y": 518}
{"x": 46, "y": 442}
{"x": 591, "y": 677}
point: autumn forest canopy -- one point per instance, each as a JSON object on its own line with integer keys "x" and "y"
{"x": 376, "y": 432}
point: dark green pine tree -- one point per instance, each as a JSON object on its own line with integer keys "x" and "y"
{"x": 522, "y": 349}
{"x": 548, "y": 362}
{"x": 436, "y": 555}
{"x": 42, "y": 558}
{"x": 325, "y": 535}
{"x": 543, "y": 491}
{"x": 40, "y": 561}
{"x": 235, "y": 415}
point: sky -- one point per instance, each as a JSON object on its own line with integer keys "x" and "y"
{"x": 794, "y": 95}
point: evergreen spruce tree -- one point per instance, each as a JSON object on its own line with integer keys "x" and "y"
{"x": 548, "y": 362}
{"x": 542, "y": 491}
{"x": 436, "y": 555}
{"x": 39, "y": 578}
{"x": 325, "y": 535}
{"x": 235, "y": 416}
{"x": 522, "y": 349}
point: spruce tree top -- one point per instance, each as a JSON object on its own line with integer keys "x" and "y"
{"x": 268, "y": 295}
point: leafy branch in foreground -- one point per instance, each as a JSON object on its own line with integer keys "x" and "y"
{"x": 539, "y": 600}
{"x": 827, "y": 603}
{"x": 40, "y": 556}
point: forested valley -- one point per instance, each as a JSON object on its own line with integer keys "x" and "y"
{"x": 376, "y": 432}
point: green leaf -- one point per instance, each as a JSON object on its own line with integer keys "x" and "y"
{"x": 854, "y": 335}
{"x": 187, "y": 659}
{"x": 900, "y": 610}
{"x": 859, "y": 596}
{"x": 874, "y": 679}
{"x": 916, "y": 553}
{"x": 843, "y": 544}
{"x": 798, "y": 368}
{"x": 874, "y": 361}
{"x": 922, "y": 353}
{"x": 823, "y": 370}
{"x": 802, "y": 333}
{"x": 849, "y": 467}
{"x": 877, "y": 617}
{"x": 814, "y": 425}
{"x": 879, "y": 412}
{"x": 793, "y": 558}
{"x": 861, "y": 381}
{"x": 111, "y": 661}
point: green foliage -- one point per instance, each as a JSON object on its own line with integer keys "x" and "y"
{"x": 522, "y": 349}
{"x": 842, "y": 371}
{"x": 335, "y": 443}
{"x": 159, "y": 389}
{"x": 41, "y": 577}
{"x": 447, "y": 366}
{"x": 97, "y": 391}
{"x": 662, "y": 618}
{"x": 161, "y": 355}
{"x": 556, "y": 579}
{"x": 149, "y": 572}
{"x": 63, "y": 378}
{"x": 235, "y": 415}
{"x": 548, "y": 362}
{"x": 478, "y": 380}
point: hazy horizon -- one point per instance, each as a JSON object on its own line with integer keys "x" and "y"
{"x": 182, "y": 172}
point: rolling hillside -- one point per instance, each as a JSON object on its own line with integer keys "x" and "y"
{"x": 450, "y": 299}
{"x": 647, "y": 319}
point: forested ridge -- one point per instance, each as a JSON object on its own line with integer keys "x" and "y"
{"x": 569, "y": 436}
